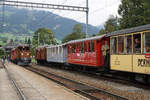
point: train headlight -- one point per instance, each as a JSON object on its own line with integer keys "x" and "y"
{"x": 27, "y": 54}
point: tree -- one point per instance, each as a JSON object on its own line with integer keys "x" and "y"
{"x": 12, "y": 41}
{"x": 29, "y": 41}
{"x": 134, "y": 13}
{"x": 101, "y": 32}
{"x": 2, "y": 53}
{"x": 77, "y": 28}
{"x": 76, "y": 34}
{"x": 110, "y": 25}
{"x": 73, "y": 36}
{"x": 26, "y": 40}
{"x": 45, "y": 36}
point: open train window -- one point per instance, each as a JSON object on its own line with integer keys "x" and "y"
{"x": 147, "y": 42}
{"x": 60, "y": 48}
{"x": 114, "y": 45}
{"x": 85, "y": 46}
{"x": 121, "y": 44}
{"x": 137, "y": 43}
{"x": 73, "y": 48}
{"x": 89, "y": 43}
{"x": 82, "y": 47}
{"x": 93, "y": 46}
{"x": 69, "y": 49}
{"x": 129, "y": 44}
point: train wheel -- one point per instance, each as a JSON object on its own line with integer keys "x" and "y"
{"x": 145, "y": 78}
{"x": 132, "y": 77}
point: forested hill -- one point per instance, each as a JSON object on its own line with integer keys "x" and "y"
{"x": 25, "y": 21}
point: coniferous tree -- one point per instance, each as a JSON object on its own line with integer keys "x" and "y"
{"x": 134, "y": 13}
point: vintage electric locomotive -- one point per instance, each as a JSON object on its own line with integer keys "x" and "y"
{"x": 21, "y": 55}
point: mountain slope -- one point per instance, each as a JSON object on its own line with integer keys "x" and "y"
{"x": 25, "y": 21}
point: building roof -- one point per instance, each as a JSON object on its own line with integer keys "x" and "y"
{"x": 53, "y": 46}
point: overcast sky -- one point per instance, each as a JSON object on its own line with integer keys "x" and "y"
{"x": 99, "y": 10}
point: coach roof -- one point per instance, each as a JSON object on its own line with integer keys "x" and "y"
{"x": 87, "y": 39}
{"x": 130, "y": 30}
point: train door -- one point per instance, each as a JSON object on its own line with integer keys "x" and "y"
{"x": 104, "y": 48}
{"x": 121, "y": 57}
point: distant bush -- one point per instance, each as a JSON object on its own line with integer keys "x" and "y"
{"x": 2, "y": 53}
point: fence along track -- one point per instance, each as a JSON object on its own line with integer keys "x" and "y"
{"x": 22, "y": 97}
{"x": 85, "y": 90}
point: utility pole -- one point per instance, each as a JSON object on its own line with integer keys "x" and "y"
{"x": 3, "y": 17}
{"x": 87, "y": 12}
{"x": 38, "y": 39}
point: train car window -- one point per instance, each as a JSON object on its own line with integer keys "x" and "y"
{"x": 147, "y": 42}
{"x": 129, "y": 44}
{"x": 79, "y": 48}
{"x": 76, "y": 48}
{"x": 137, "y": 43}
{"x": 93, "y": 49}
{"x": 114, "y": 45}
{"x": 121, "y": 44}
{"x": 85, "y": 46}
{"x": 89, "y": 43}
{"x": 56, "y": 52}
{"x": 70, "y": 49}
{"x": 82, "y": 47}
{"x": 20, "y": 48}
{"x": 27, "y": 48}
{"x": 59, "y": 50}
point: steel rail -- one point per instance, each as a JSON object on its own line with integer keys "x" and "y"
{"x": 15, "y": 84}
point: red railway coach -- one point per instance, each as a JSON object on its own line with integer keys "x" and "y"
{"x": 89, "y": 51}
{"x": 40, "y": 54}
{"x": 37, "y": 54}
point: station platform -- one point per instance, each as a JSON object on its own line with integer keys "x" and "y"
{"x": 7, "y": 90}
{"x": 36, "y": 87}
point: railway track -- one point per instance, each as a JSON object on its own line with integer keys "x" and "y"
{"x": 19, "y": 92}
{"x": 111, "y": 77}
{"x": 85, "y": 90}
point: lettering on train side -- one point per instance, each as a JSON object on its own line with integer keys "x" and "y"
{"x": 117, "y": 62}
{"x": 144, "y": 62}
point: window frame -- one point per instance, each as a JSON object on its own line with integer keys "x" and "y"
{"x": 85, "y": 47}
{"x": 130, "y": 34}
{"x": 116, "y": 51}
{"x": 93, "y": 45}
{"x": 89, "y": 46}
{"x": 144, "y": 41}
{"x": 123, "y": 44}
{"x": 141, "y": 41}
